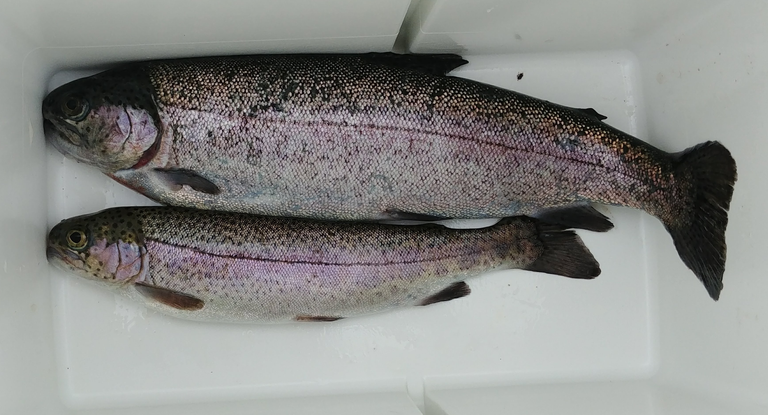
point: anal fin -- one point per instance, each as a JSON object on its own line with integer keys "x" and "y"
{"x": 452, "y": 292}
{"x": 578, "y": 216}
{"x": 169, "y": 297}
{"x": 402, "y": 215}
{"x": 316, "y": 318}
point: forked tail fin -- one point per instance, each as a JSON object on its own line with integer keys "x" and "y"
{"x": 707, "y": 173}
{"x": 564, "y": 254}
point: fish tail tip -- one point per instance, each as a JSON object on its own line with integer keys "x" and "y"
{"x": 564, "y": 254}
{"x": 708, "y": 174}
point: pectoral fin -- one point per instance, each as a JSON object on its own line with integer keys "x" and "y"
{"x": 170, "y": 298}
{"x": 176, "y": 178}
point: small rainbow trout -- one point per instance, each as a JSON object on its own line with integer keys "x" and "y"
{"x": 234, "y": 267}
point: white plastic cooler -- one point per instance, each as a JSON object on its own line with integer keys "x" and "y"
{"x": 642, "y": 339}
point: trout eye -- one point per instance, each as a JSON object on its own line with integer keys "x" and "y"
{"x": 74, "y": 108}
{"x": 76, "y": 239}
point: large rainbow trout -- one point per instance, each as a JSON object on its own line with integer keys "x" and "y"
{"x": 377, "y": 136}
{"x": 235, "y": 267}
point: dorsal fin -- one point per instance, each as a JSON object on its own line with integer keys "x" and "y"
{"x": 589, "y": 112}
{"x": 432, "y": 64}
{"x": 592, "y": 113}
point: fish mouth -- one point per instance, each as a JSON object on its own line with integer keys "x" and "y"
{"x": 50, "y": 130}
{"x": 58, "y": 134}
{"x": 63, "y": 258}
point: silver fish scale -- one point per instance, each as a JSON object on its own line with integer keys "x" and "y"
{"x": 250, "y": 268}
{"x": 342, "y": 243}
{"x": 367, "y": 137}
{"x": 339, "y": 137}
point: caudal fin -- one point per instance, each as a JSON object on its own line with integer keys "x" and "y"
{"x": 707, "y": 173}
{"x": 564, "y": 254}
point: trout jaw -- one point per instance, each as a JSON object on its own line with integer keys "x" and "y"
{"x": 61, "y": 137}
{"x": 64, "y": 259}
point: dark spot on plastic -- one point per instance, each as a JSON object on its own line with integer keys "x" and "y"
{"x": 519, "y": 76}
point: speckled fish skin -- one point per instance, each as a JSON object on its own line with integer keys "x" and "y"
{"x": 341, "y": 137}
{"x": 246, "y": 268}
{"x": 368, "y": 136}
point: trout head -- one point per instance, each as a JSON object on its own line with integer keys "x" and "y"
{"x": 106, "y": 246}
{"x": 108, "y": 120}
